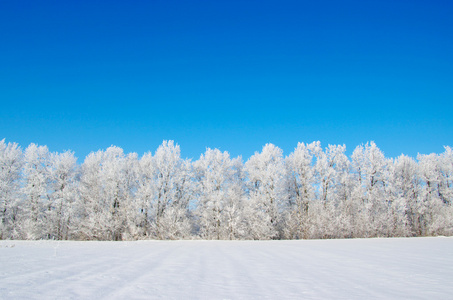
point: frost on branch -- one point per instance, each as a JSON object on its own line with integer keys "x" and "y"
{"x": 311, "y": 193}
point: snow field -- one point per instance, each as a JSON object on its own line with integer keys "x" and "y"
{"x": 399, "y": 268}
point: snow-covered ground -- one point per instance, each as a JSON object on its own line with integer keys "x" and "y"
{"x": 415, "y": 268}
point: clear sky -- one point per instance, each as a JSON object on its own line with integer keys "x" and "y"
{"x": 233, "y": 75}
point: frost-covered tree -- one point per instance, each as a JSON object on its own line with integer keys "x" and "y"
{"x": 267, "y": 187}
{"x": 10, "y": 168}
{"x": 343, "y": 187}
{"x": 35, "y": 204}
{"x": 446, "y": 176}
{"x": 220, "y": 196}
{"x": 164, "y": 193}
{"x": 370, "y": 171}
{"x": 405, "y": 186}
{"x": 130, "y": 208}
{"x": 301, "y": 181}
{"x": 88, "y": 207}
{"x": 397, "y": 223}
{"x": 332, "y": 182}
{"x": 436, "y": 216}
{"x": 105, "y": 192}
{"x": 63, "y": 185}
{"x": 446, "y": 188}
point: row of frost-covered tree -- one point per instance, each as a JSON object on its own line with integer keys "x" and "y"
{"x": 312, "y": 193}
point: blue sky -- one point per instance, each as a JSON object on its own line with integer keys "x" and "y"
{"x": 233, "y": 75}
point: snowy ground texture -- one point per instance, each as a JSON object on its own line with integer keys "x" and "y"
{"x": 412, "y": 268}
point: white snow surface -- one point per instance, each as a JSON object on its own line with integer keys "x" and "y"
{"x": 397, "y": 268}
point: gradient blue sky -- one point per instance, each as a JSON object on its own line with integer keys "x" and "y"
{"x": 233, "y": 75}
